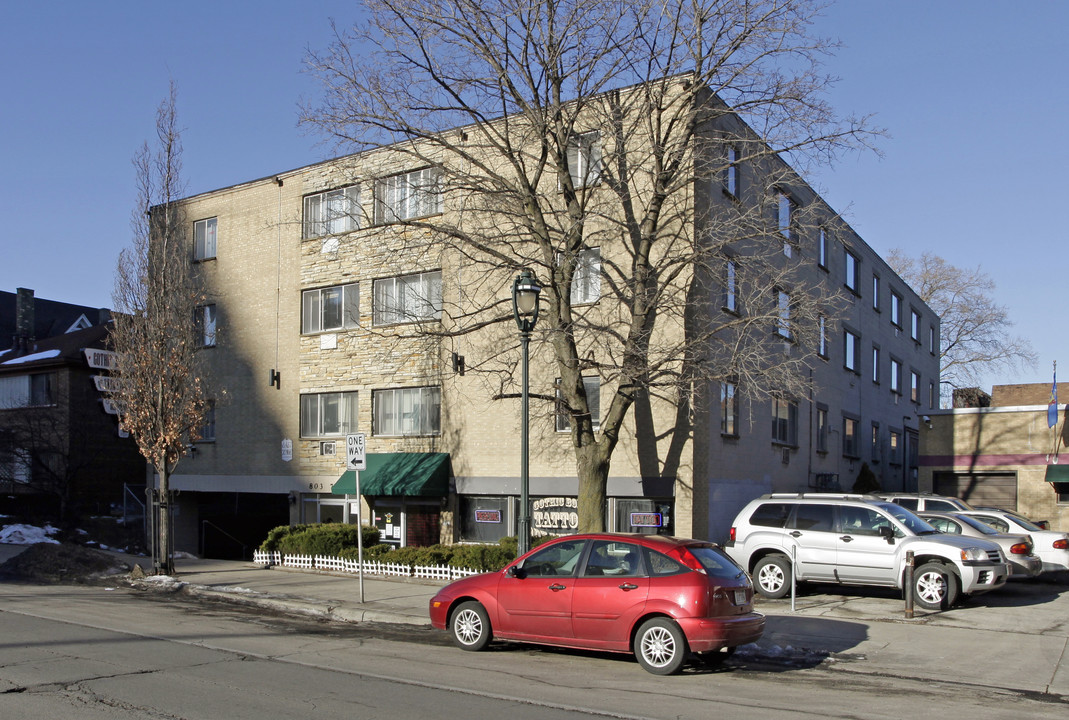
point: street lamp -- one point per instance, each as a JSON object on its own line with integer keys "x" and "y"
{"x": 525, "y": 310}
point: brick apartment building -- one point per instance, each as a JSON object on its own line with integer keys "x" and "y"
{"x": 316, "y": 305}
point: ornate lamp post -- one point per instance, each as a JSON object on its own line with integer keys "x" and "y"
{"x": 525, "y": 310}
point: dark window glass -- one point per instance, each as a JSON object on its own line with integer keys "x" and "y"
{"x": 815, "y": 517}
{"x": 771, "y": 515}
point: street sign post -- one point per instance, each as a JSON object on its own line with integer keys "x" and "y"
{"x": 356, "y": 460}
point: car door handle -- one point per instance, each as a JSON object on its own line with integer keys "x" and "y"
{"x": 557, "y": 586}
{"x": 628, "y": 586}
{"x": 846, "y": 538}
{"x": 796, "y": 534}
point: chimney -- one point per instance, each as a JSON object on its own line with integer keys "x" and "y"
{"x": 24, "y": 319}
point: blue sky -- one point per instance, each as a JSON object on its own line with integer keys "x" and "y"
{"x": 971, "y": 94}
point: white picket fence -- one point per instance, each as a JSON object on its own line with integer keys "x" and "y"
{"x": 344, "y": 565}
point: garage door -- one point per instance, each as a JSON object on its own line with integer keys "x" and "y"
{"x": 979, "y": 489}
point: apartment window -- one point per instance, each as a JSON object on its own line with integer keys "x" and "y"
{"x": 783, "y": 321}
{"x": 204, "y": 319}
{"x": 931, "y": 339}
{"x": 850, "y": 438}
{"x": 894, "y": 444}
{"x": 915, "y": 325}
{"x": 731, "y": 173}
{"x": 822, "y": 247}
{"x": 407, "y": 411}
{"x": 784, "y": 210}
{"x": 896, "y": 309}
{"x": 731, "y": 300}
{"x": 875, "y": 442}
{"x": 584, "y": 159}
{"x": 20, "y": 391}
{"x": 586, "y": 282}
{"x": 896, "y": 376}
{"x": 408, "y": 195}
{"x": 332, "y": 212}
{"x": 931, "y": 396}
{"x": 822, "y": 340}
{"x": 729, "y": 409}
{"x": 409, "y": 298}
{"x": 852, "y": 351}
{"x": 204, "y": 236}
{"x": 852, "y": 277}
{"x": 16, "y": 465}
{"x": 207, "y": 427}
{"x": 876, "y": 364}
{"x": 822, "y": 428}
{"x": 915, "y": 386}
{"x": 876, "y": 293}
{"x": 784, "y": 421}
{"x": 592, "y": 386}
{"x": 330, "y": 309}
{"x": 328, "y": 414}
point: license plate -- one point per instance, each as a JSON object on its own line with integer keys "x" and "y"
{"x": 740, "y": 597}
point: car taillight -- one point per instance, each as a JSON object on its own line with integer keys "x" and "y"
{"x": 1062, "y": 544}
{"x": 731, "y": 534}
{"x": 1019, "y": 549}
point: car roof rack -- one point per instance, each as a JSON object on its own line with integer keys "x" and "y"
{"x": 818, "y": 496}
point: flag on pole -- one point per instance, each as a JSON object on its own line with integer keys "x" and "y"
{"x": 1052, "y": 408}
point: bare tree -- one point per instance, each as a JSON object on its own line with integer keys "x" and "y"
{"x": 587, "y": 141}
{"x": 974, "y": 331}
{"x": 162, "y": 395}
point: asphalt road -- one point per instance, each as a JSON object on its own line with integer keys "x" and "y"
{"x": 90, "y": 652}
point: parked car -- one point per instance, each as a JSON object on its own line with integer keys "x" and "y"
{"x": 1016, "y": 547}
{"x": 857, "y": 540}
{"x": 926, "y": 501}
{"x": 1051, "y": 546}
{"x": 658, "y": 597}
{"x": 1041, "y": 524}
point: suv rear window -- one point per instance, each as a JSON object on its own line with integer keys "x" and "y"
{"x": 715, "y": 561}
{"x": 771, "y": 515}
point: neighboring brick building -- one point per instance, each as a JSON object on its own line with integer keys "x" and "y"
{"x": 306, "y": 276}
{"x": 1004, "y": 455}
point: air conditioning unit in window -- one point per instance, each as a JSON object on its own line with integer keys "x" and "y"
{"x": 328, "y": 448}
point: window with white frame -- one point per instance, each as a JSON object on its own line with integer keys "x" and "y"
{"x": 586, "y": 281}
{"x": 328, "y": 414}
{"x": 784, "y": 212}
{"x": 332, "y": 212}
{"x": 876, "y": 293}
{"x": 204, "y": 319}
{"x": 729, "y": 409}
{"x": 592, "y": 388}
{"x": 915, "y": 325}
{"x": 204, "y": 238}
{"x": 896, "y": 309}
{"x": 851, "y": 351}
{"x": 822, "y": 247}
{"x": 784, "y": 421}
{"x": 896, "y": 376}
{"x": 876, "y": 364}
{"x": 403, "y": 412}
{"x": 330, "y": 309}
{"x": 408, "y": 195}
{"x": 207, "y": 427}
{"x": 850, "y": 437}
{"x": 33, "y": 390}
{"x": 408, "y": 298}
{"x": 584, "y": 159}
{"x": 852, "y": 276}
{"x": 822, "y": 339}
{"x": 731, "y": 172}
{"x": 783, "y": 313}
{"x": 731, "y": 298}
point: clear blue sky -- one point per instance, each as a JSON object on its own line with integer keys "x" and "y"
{"x": 971, "y": 92}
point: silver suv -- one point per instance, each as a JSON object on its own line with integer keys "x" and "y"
{"x": 858, "y": 540}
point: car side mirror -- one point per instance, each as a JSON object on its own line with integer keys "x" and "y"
{"x": 888, "y": 533}
{"x": 516, "y": 572}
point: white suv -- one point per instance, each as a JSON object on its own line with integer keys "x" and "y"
{"x": 854, "y": 540}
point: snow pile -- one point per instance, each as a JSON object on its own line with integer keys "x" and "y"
{"x": 27, "y": 535}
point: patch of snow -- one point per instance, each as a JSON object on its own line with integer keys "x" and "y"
{"x": 27, "y": 535}
{"x": 30, "y": 358}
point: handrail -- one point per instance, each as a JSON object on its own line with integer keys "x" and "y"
{"x": 205, "y": 523}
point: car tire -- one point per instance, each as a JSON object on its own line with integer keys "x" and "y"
{"x": 470, "y": 626}
{"x": 772, "y": 576}
{"x": 935, "y": 587}
{"x": 660, "y": 646}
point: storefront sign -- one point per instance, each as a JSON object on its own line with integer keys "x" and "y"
{"x": 647, "y": 519}
{"x": 487, "y": 516}
{"x": 555, "y": 515}
{"x": 100, "y": 359}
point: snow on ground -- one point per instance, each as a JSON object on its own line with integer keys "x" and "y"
{"x": 27, "y": 534}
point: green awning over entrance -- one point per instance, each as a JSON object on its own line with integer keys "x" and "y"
{"x": 1057, "y": 474}
{"x": 396, "y": 474}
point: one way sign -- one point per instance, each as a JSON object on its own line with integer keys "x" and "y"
{"x": 355, "y": 452}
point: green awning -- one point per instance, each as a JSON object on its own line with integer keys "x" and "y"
{"x": 395, "y": 474}
{"x": 1057, "y": 474}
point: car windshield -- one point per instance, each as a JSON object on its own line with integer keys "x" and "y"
{"x": 715, "y": 561}
{"x": 912, "y": 523}
{"x": 1024, "y": 522}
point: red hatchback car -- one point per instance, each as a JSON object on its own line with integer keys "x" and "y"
{"x": 658, "y": 597}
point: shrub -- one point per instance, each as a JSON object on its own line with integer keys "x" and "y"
{"x": 866, "y": 481}
{"x": 317, "y": 539}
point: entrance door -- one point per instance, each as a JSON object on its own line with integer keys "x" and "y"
{"x": 389, "y": 519}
